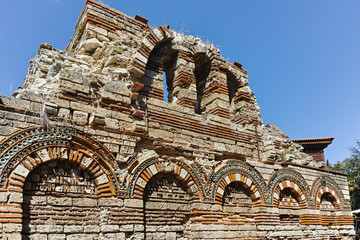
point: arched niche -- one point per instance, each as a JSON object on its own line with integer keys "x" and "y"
{"x": 288, "y": 194}
{"x": 289, "y": 203}
{"x": 28, "y": 150}
{"x": 328, "y": 202}
{"x": 237, "y": 199}
{"x": 60, "y": 196}
{"x": 150, "y": 167}
{"x": 25, "y": 150}
{"x": 167, "y": 204}
{"x": 239, "y": 207}
{"x": 288, "y": 178}
{"x": 236, "y": 171}
{"x": 324, "y": 184}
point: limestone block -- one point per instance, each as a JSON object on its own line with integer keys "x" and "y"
{"x": 14, "y": 236}
{"x": 109, "y": 228}
{"x": 35, "y": 200}
{"x": 102, "y": 179}
{"x": 121, "y": 71}
{"x": 51, "y": 108}
{"x": 81, "y": 107}
{"x": 102, "y": 38}
{"x": 56, "y": 236}
{"x": 80, "y": 117}
{"x": 91, "y": 45}
{"x": 127, "y": 228}
{"x": 85, "y": 163}
{"x": 84, "y": 202}
{"x": 12, "y": 228}
{"x": 80, "y": 236}
{"x": 73, "y": 76}
{"x": 112, "y": 147}
{"x": 113, "y": 236}
{"x": 91, "y": 229}
{"x": 97, "y": 119}
{"x": 100, "y": 30}
{"x": 127, "y": 126}
{"x": 64, "y": 113}
{"x": 74, "y": 86}
{"x": 111, "y": 60}
{"x": 138, "y": 228}
{"x": 4, "y": 196}
{"x": 133, "y": 203}
{"x": 126, "y": 150}
{"x": 112, "y": 123}
{"x": 50, "y": 229}
{"x": 59, "y": 201}
{"x": 219, "y": 146}
{"x": 73, "y": 229}
{"x": 186, "y": 93}
{"x": 38, "y": 236}
{"x": 16, "y": 197}
{"x": 111, "y": 202}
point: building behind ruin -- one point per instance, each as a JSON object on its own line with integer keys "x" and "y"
{"x": 91, "y": 150}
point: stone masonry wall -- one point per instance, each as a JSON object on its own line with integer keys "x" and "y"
{"x": 89, "y": 148}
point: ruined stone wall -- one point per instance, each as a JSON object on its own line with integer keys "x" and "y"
{"x": 91, "y": 150}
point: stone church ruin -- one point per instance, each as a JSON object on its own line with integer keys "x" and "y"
{"x": 91, "y": 150}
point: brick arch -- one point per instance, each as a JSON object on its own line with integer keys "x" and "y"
{"x": 291, "y": 184}
{"x": 25, "y": 150}
{"x": 152, "y": 166}
{"x": 237, "y": 171}
{"x": 287, "y": 178}
{"x": 327, "y": 190}
{"x": 245, "y": 180}
{"x": 324, "y": 184}
{"x": 201, "y": 49}
{"x": 151, "y": 40}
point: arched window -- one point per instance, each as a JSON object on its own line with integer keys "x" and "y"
{"x": 201, "y": 72}
{"x": 159, "y": 72}
{"x": 169, "y": 60}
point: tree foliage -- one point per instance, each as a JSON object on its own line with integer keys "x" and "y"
{"x": 351, "y": 166}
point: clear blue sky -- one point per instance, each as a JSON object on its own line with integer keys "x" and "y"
{"x": 303, "y": 57}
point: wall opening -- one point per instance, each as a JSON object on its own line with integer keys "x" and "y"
{"x": 159, "y": 73}
{"x": 201, "y": 72}
{"x": 233, "y": 85}
{"x": 169, "y": 59}
{"x": 166, "y": 92}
